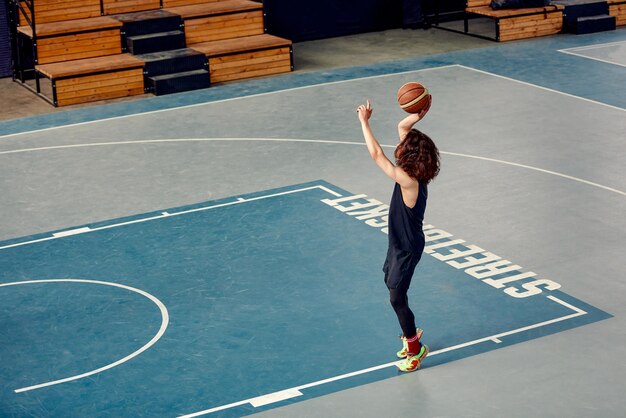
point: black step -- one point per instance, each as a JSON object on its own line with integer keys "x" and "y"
{"x": 178, "y": 82}
{"x": 154, "y": 42}
{"x": 575, "y": 9}
{"x": 151, "y": 21}
{"x": 174, "y": 61}
{"x": 591, "y": 24}
{"x": 578, "y": 8}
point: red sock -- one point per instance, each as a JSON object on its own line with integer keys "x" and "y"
{"x": 414, "y": 346}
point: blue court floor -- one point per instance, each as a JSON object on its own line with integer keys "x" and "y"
{"x": 219, "y": 253}
{"x": 240, "y": 300}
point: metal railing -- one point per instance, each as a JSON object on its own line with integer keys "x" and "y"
{"x": 23, "y": 69}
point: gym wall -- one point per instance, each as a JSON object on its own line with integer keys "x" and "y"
{"x": 319, "y": 19}
{"x": 5, "y": 44}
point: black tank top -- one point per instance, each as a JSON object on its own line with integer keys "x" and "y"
{"x": 405, "y": 224}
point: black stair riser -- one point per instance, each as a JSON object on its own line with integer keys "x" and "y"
{"x": 175, "y": 65}
{"x": 144, "y": 27}
{"x": 571, "y": 13}
{"x": 156, "y": 43}
{"x": 177, "y": 84}
{"x": 583, "y": 26}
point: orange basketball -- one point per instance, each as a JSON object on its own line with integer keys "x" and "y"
{"x": 413, "y": 97}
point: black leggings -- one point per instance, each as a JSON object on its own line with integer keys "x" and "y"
{"x": 400, "y": 303}
{"x": 399, "y": 267}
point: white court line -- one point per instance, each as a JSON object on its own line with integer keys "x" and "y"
{"x": 85, "y": 230}
{"x": 573, "y": 51}
{"x": 330, "y": 83}
{"x": 594, "y": 58}
{"x": 543, "y": 88}
{"x": 174, "y": 140}
{"x": 596, "y": 46}
{"x": 493, "y": 338}
{"x": 71, "y": 232}
{"x": 541, "y": 170}
{"x": 314, "y": 141}
{"x": 159, "y": 334}
{"x": 301, "y": 88}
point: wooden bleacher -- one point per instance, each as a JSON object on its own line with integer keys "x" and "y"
{"x": 47, "y": 11}
{"x": 129, "y": 6}
{"x": 93, "y": 79}
{"x": 217, "y": 20}
{"x": 249, "y": 56}
{"x": 75, "y": 39}
{"x": 176, "y": 3}
{"x": 82, "y": 53}
{"x": 512, "y": 24}
{"x": 617, "y": 8}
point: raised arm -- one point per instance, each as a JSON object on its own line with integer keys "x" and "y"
{"x": 407, "y": 123}
{"x": 376, "y": 151}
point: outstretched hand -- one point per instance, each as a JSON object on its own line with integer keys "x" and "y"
{"x": 407, "y": 123}
{"x": 365, "y": 111}
{"x": 426, "y": 108}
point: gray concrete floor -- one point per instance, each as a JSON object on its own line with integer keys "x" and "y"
{"x": 18, "y": 102}
{"x": 568, "y": 232}
{"x": 563, "y": 230}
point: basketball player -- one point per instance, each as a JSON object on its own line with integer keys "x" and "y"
{"x": 417, "y": 163}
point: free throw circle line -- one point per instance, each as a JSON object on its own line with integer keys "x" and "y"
{"x": 159, "y": 334}
{"x": 316, "y": 141}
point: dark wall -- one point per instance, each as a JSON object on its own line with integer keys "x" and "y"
{"x": 5, "y": 44}
{"x": 301, "y": 20}
{"x": 446, "y": 6}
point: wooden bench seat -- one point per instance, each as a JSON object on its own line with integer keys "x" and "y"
{"x": 79, "y": 60}
{"x": 519, "y": 23}
{"x": 504, "y": 13}
{"x": 75, "y": 39}
{"x": 250, "y": 56}
{"x": 176, "y": 3}
{"x": 617, "y": 8}
{"x": 215, "y": 8}
{"x": 71, "y": 26}
{"x": 111, "y": 7}
{"x": 220, "y": 20}
{"x": 94, "y": 79}
{"x": 47, "y": 11}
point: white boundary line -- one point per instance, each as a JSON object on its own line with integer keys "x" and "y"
{"x": 496, "y": 339}
{"x": 573, "y": 51}
{"x": 84, "y": 230}
{"x": 301, "y": 88}
{"x": 159, "y": 334}
{"x": 314, "y": 141}
{"x": 173, "y": 140}
{"x": 330, "y": 83}
{"x": 595, "y": 46}
{"x": 541, "y": 170}
{"x": 543, "y": 88}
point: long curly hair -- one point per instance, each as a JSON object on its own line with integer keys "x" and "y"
{"x": 418, "y": 156}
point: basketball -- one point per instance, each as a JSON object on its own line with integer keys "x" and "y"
{"x": 413, "y": 97}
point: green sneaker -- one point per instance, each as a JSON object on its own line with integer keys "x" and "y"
{"x": 413, "y": 363}
{"x": 405, "y": 345}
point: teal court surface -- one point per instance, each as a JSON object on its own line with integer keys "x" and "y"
{"x": 231, "y": 305}
{"x": 219, "y": 253}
